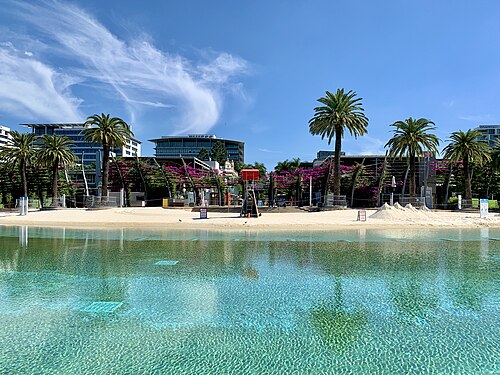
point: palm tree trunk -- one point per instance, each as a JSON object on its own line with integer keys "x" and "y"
{"x": 22, "y": 167}
{"x": 336, "y": 168}
{"x": 105, "y": 170}
{"x": 468, "y": 180}
{"x": 55, "y": 172}
{"x": 142, "y": 177}
{"x": 490, "y": 178}
{"x": 119, "y": 172}
{"x": 448, "y": 187}
{"x": 413, "y": 177}
{"x": 167, "y": 183}
{"x": 327, "y": 183}
{"x": 403, "y": 189}
{"x": 381, "y": 179}
{"x": 357, "y": 172}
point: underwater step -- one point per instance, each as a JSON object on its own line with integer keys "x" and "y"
{"x": 166, "y": 262}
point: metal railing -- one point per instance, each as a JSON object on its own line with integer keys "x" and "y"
{"x": 415, "y": 201}
{"x": 93, "y": 201}
{"x": 335, "y": 201}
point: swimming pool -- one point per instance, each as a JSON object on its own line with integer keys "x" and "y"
{"x": 354, "y": 301}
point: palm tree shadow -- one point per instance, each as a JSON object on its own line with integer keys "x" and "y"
{"x": 338, "y": 327}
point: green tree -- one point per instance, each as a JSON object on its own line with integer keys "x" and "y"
{"x": 287, "y": 165}
{"x": 203, "y": 154}
{"x": 340, "y": 111}
{"x": 219, "y": 152}
{"x": 19, "y": 152}
{"x": 495, "y": 156}
{"x": 55, "y": 150}
{"x": 260, "y": 166}
{"x": 108, "y": 132}
{"x": 411, "y": 137}
{"x": 467, "y": 147}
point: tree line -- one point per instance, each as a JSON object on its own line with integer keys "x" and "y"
{"x": 52, "y": 151}
{"x": 342, "y": 111}
{"x": 337, "y": 114}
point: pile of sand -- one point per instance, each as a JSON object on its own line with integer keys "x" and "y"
{"x": 398, "y": 212}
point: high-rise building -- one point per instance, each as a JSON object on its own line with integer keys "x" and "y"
{"x": 189, "y": 146}
{"x": 4, "y": 135}
{"x": 84, "y": 150}
{"x": 489, "y": 133}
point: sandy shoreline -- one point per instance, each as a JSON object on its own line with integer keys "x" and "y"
{"x": 156, "y": 217}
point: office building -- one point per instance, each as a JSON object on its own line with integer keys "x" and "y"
{"x": 489, "y": 133}
{"x": 175, "y": 148}
{"x": 84, "y": 150}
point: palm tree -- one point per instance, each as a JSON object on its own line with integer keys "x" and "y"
{"x": 287, "y": 165}
{"x": 467, "y": 146}
{"x": 108, "y": 132}
{"x": 55, "y": 150}
{"x": 340, "y": 111}
{"x": 411, "y": 138}
{"x": 19, "y": 151}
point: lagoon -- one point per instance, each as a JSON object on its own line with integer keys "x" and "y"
{"x": 207, "y": 301}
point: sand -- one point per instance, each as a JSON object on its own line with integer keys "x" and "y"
{"x": 156, "y": 217}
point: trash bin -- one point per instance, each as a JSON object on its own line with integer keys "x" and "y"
{"x": 164, "y": 203}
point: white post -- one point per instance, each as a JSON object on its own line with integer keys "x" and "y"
{"x": 64, "y": 200}
{"x": 459, "y": 205}
{"x": 392, "y": 199}
{"x": 122, "y": 197}
{"x": 483, "y": 208}
{"x": 310, "y": 190}
{"x": 23, "y": 206}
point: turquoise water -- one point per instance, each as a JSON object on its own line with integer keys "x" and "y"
{"x": 182, "y": 302}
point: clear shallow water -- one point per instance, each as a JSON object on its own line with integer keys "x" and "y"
{"x": 357, "y": 301}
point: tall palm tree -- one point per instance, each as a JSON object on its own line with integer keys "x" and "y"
{"x": 467, "y": 146}
{"x": 411, "y": 138}
{"x": 108, "y": 132}
{"x": 19, "y": 151}
{"x": 55, "y": 150}
{"x": 340, "y": 111}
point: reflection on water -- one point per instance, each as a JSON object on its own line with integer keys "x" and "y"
{"x": 23, "y": 236}
{"x": 249, "y": 302}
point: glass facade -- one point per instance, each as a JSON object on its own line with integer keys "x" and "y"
{"x": 84, "y": 150}
{"x": 190, "y": 146}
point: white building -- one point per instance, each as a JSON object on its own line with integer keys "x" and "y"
{"x": 4, "y": 135}
{"x": 489, "y": 133}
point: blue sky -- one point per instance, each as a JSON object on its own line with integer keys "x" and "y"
{"x": 250, "y": 70}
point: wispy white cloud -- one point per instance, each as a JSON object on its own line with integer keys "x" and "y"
{"x": 143, "y": 76}
{"x": 477, "y": 118}
{"x": 270, "y": 151}
{"x": 34, "y": 90}
{"x": 367, "y": 145}
{"x": 449, "y": 103}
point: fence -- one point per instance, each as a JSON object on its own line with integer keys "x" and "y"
{"x": 93, "y": 201}
{"x": 406, "y": 199}
{"x": 335, "y": 201}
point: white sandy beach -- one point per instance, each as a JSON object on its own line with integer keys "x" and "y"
{"x": 156, "y": 217}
